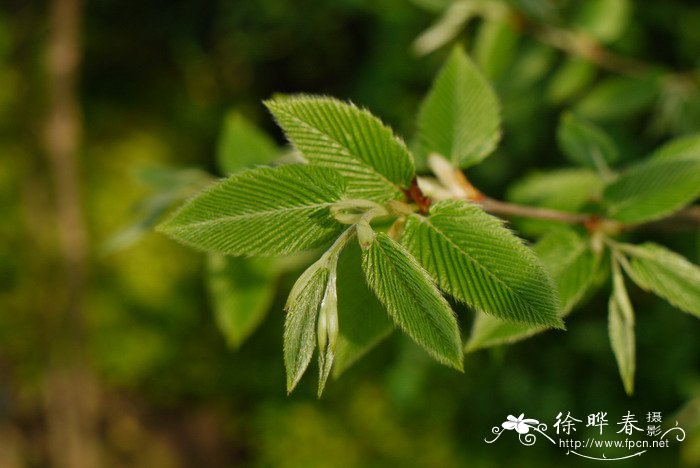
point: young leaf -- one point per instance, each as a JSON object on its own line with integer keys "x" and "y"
{"x": 477, "y": 260}
{"x": 460, "y": 117}
{"x": 572, "y": 77}
{"x": 170, "y": 186}
{"x": 241, "y": 291}
{"x": 684, "y": 147}
{"x": 653, "y": 189}
{"x": 621, "y": 329}
{"x": 300, "y": 324}
{"x": 327, "y": 330}
{"x": 666, "y": 274}
{"x": 446, "y": 28}
{"x": 262, "y": 211}
{"x": 338, "y": 135}
{"x": 532, "y": 64}
{"x": 412, "y": 299}
{"x": 362, "y": 318}
{"x": 605, "y": 20}
{"x": 242, "y": 145}
{"x": 618, "y": 98}
{"x": 561, "y": 189}
{"x": 568, "y": 258}
{"x": 586, "y": 144}
{"x": 495, "y": 46}
{"x": 488, "y": 331}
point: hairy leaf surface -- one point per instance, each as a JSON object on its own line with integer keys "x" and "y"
{"x": 262, "y": 211}
{"x": 460, "y": 117}
{"x": 363, "y": 321}
{"x": 300, "y": 323}
{"x": 338, "y": 135}
{"x": 572, "y": 265}
{"x": 412, "y": 299}
{"x": 477, "y": 260}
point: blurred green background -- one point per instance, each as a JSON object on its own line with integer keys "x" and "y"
{"x": 137, "y": 374}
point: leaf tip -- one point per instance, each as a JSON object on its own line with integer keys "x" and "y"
{"x": 292, "y": 383}
{"x": 458, "y": 50}
{"x": 559, "y": 324}
{"x": 165, "y": 227}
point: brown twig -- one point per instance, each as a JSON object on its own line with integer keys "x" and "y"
{"x": 587, "y": 48}
{"x": 69, "y": 391}
{"x": 688, "y": 218}
{"x": 498, "y": 207}
{"x": 414, "y": 193}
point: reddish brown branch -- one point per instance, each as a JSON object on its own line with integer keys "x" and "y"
{"x": 414, "y": 193}
{"x": 580, "y": 45}
{"x": 511, "y": 209}
{"x": 70, "y": 396}
{"x": 687, "y": 218}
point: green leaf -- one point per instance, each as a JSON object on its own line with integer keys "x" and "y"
{"x": 170, "y": 186}
{"x": 488, "y": 331}
{"x": 300, "y": 323}
{"x": 621, "y": 329}
{"x": 605, "y": 20}
{"x": 327, "y": 329}
{"x": 684, "y": 147}
{"x": 618, "y": 98}
{"x": 446, "y": 28}
{"x": 562, "y": 189}
{"x": 532, "y": 64}
{"x": 460, "y": 117}
{"x": 586, "y": 144}
{"x": 434, "y": 6}
{"x": 262, "y": 211}
{"x": 242, "y": 145}
{"x": 477, "y": 260}
{"x": 338, "y": 135}
{"x": 569, "y": 260}
{"x": 173, "y": 180}
{"x": 363, "y": 322}
{"x": 653, "y": 189}
{"x": 666, "y": 274}
{"x": 241, "y": 291}
{"x": 495, "y": 46}
{"x": 315, "y": 293}
{"x": 412, "y": 299}
{"x": 570, "y": 79}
